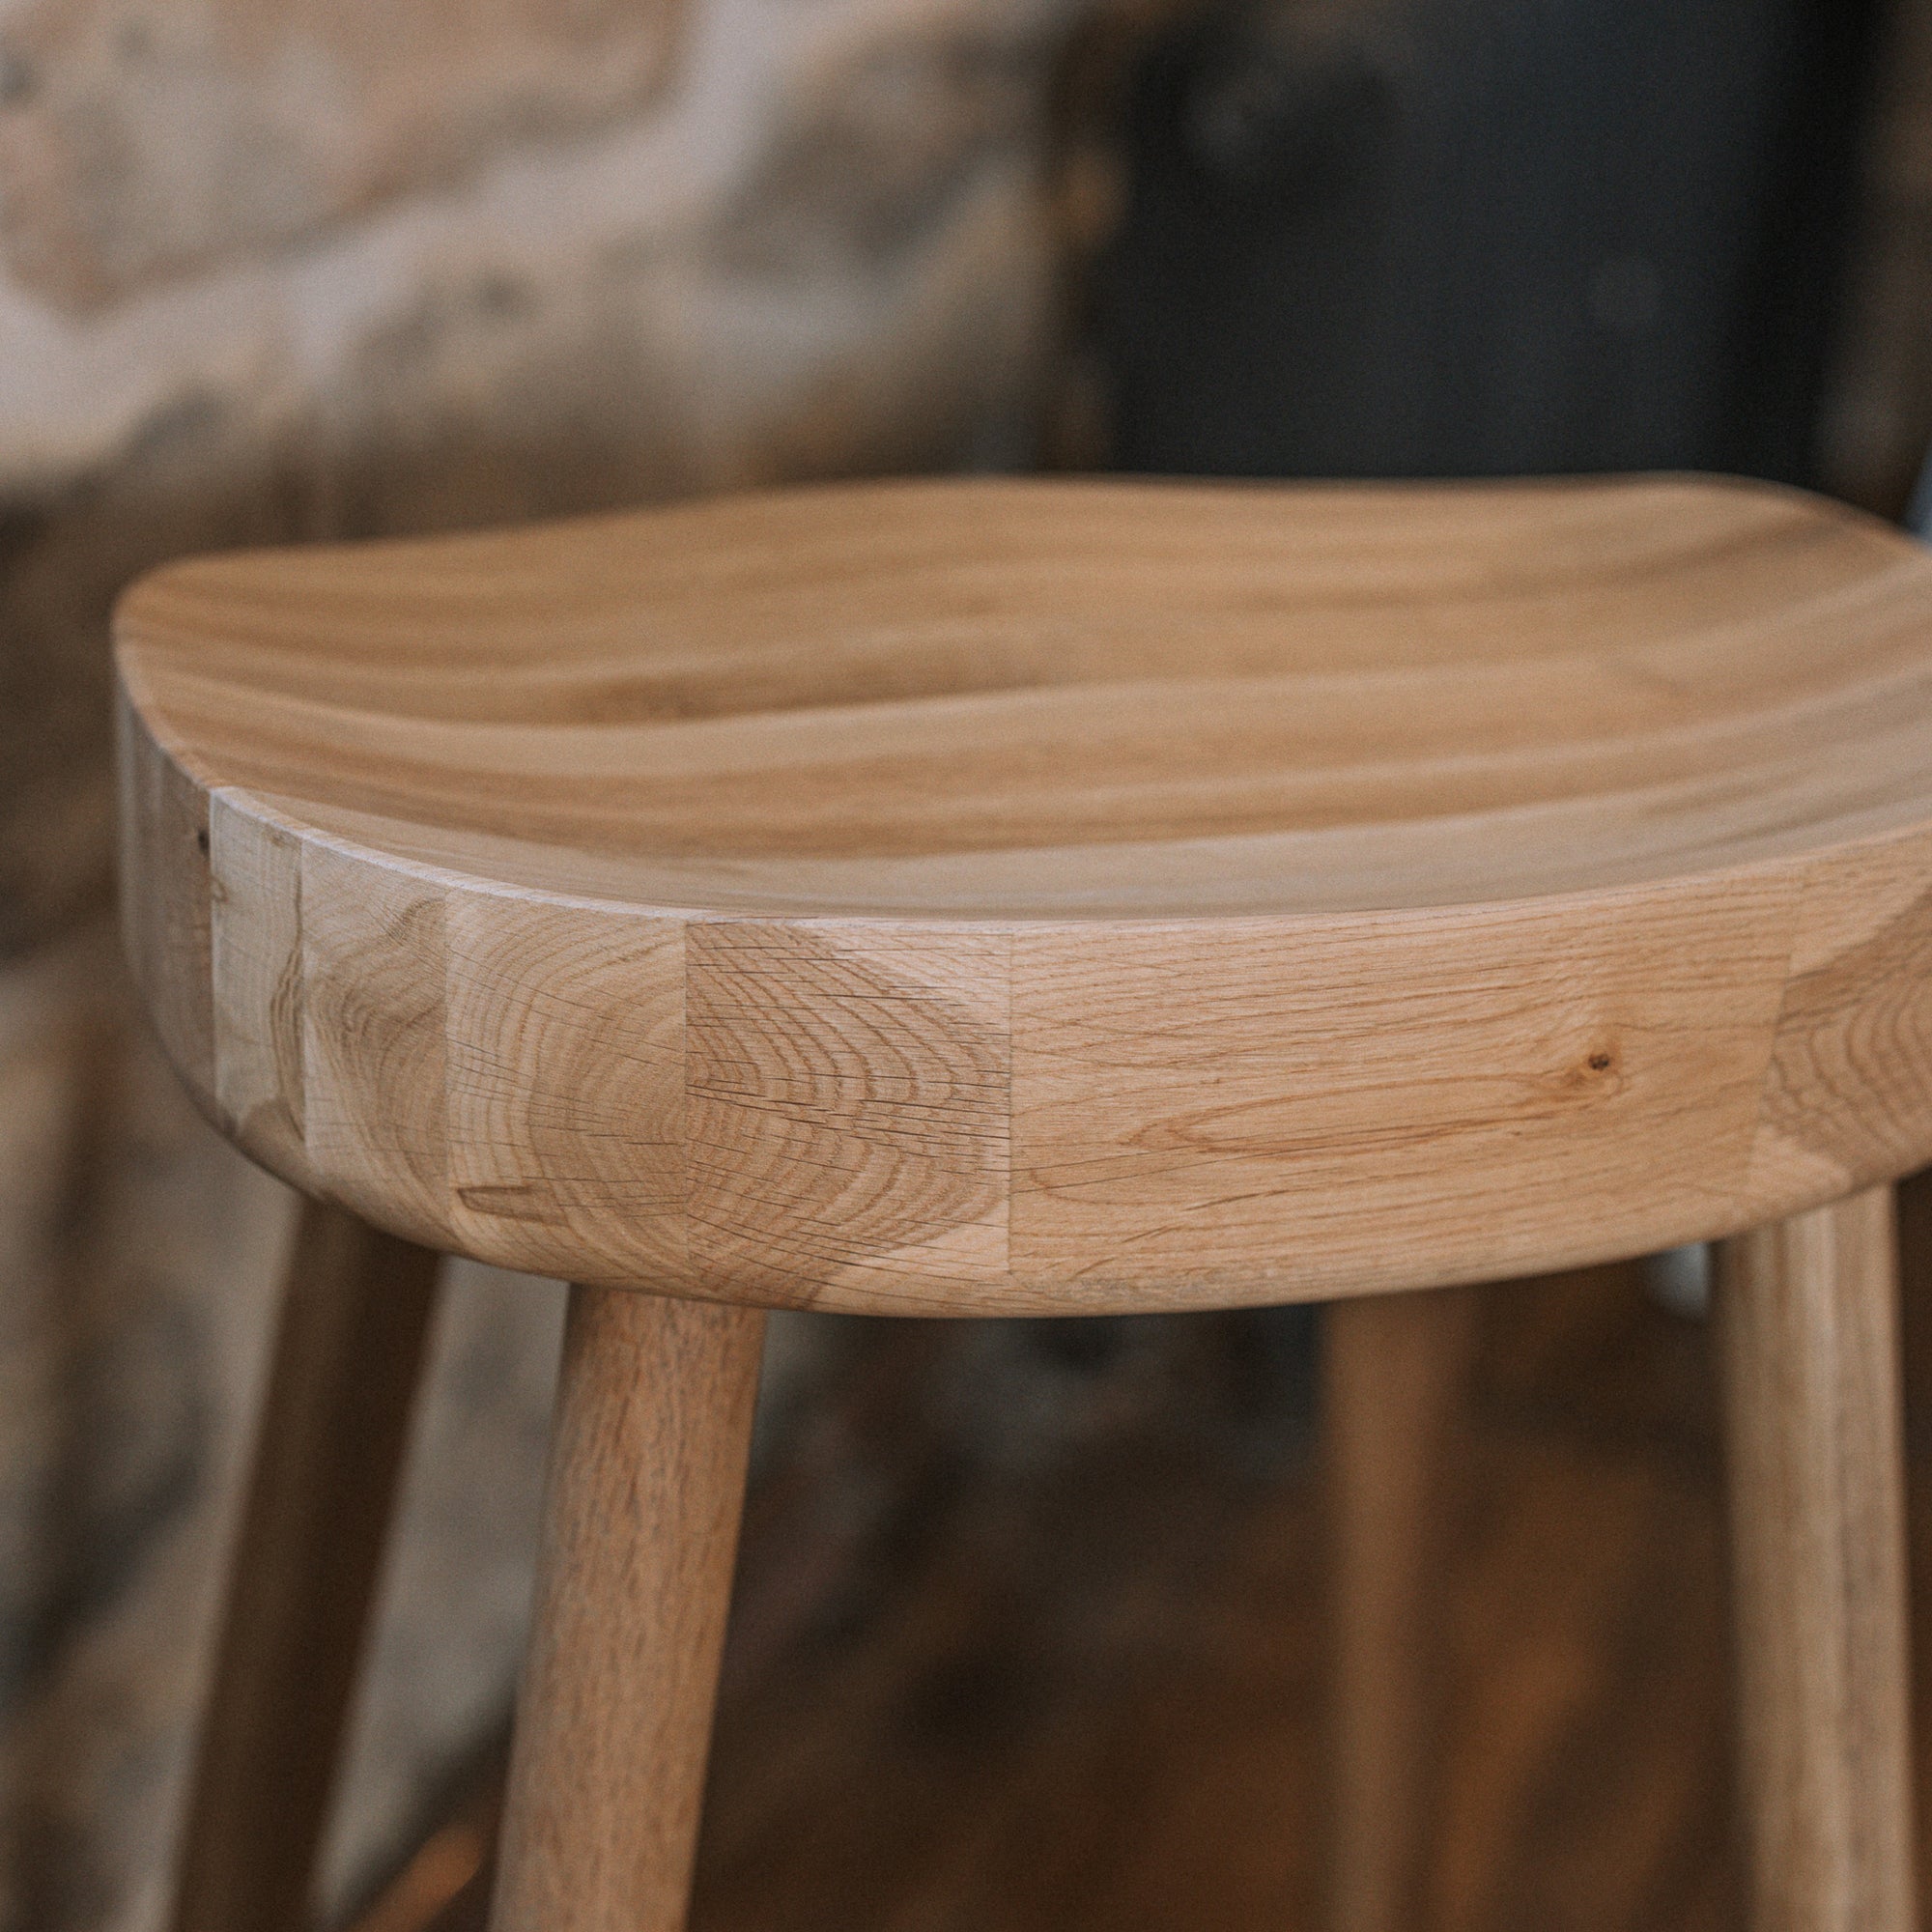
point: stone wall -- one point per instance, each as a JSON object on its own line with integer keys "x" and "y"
{"x": 817, "y": 247}
{"x": 290, "y": 270}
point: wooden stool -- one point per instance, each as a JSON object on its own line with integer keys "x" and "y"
{"x": 1006, "y": 897}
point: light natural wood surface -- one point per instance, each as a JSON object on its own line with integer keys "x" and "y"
{"x": 1007, "y": 897}
{"x": 1809, "y": 1350}
{"x": 348, "y": 1353}
{"x": 641, "y": 1534}
{"x": 1394, "y": 1375}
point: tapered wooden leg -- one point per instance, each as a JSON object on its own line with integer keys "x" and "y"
{"x": 640, "y": 1532}
{"x": 348, "y": 1353}
{"x": 1808, "y": 1345}
{"x": 1394, "y": 1373}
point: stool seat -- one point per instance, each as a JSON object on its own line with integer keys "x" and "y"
{"x": 1017, "y": 896}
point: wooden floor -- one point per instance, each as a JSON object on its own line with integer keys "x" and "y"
{"x": 1063, "y": 1667}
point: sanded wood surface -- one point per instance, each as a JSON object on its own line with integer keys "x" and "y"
{"x": 1808, "y": 1350}
{"x": 1042, "y": 895}
{"x": 641, "y": 1535}
{"x": 348, "y": 1357}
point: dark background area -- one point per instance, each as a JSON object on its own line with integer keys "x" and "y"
{"x": 1431, "y": 237}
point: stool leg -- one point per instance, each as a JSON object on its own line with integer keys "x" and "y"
{"x": 1394, "y": 1371}
{"x": 640, "y": 1531}
{"x": 1808, "y": 1351}
{"x": 348, "y": 1356}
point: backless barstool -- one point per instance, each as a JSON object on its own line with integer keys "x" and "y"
{"x": 1006, "y": 897}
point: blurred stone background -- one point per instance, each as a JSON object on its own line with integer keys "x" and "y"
{"x": 291, "y": 269}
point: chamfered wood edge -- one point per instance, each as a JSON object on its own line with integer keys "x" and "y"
{"x": 1813, "y": 1140}
{"x": 163, "y": 892}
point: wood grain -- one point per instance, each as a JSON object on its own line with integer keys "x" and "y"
{"x": 1809, "y": 1350}
{"x": 166, "y": 914}
{"x": 255, "y": 954}
{"x": 1852, "y": 1044}
{"x": 356, "y": 1316}
{"x": 850, "y": 1098}
{"x": 1098, "y": 1668}
{"x": 565, "y": 1087}
{"x": 1396, "y": 1372}
{"x": 1028, "y": 897}
{"x": 1336, "y": 1104}
{"x": 641, "y": 1531}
